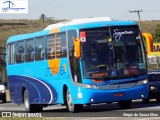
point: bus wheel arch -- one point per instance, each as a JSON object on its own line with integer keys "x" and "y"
{"x": 64, "y": 93}
{"x": 23, "y": 89}
{"x": 68, "y": 102}
{"x": 28, "y": 106}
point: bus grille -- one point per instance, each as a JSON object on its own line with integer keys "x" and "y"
{"x": 118, "y": 86}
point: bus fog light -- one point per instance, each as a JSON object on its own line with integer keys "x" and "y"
{"x": 3, "y": 91}
{"x": 142, "y": 96}
{"x": 92, "y": 100}
{"x": 153, "y": 88}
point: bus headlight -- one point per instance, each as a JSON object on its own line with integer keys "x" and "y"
{"x": 90, "y": 86}
{"x": 3, "y": 91}
{"x": 142, "y": 82}
{"x": 153, "y": 88}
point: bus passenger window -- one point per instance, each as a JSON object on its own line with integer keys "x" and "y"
{"x": 63, "y": 49}
{"x": 50, "y": 47}
{"x": 11, "y": 51}
{"x": 20, "y": 52}
{"x": 39, "y": 48}
{"x": 29, "y": 50}
{"x": 56, "y": 46}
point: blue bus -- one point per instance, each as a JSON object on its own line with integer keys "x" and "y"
{"x": 76, "y": 63}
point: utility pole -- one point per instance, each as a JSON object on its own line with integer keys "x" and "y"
{"x": 137, "y": 11}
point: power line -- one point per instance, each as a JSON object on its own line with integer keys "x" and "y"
{"x": 122, "y": 15}
{"x": 137, "y": 11}
{"x": 151, "y": 11}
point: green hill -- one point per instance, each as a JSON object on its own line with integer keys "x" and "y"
{"x": 15, "y": 27}
{"x": 149, "y": 26}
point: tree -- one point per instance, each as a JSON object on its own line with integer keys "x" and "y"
{"x": 156, "y": 34}
{"x": 43, "y": 17}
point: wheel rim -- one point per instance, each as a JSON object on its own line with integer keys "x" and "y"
{"x": 26, "y": 101}
{"x": 69, "y": 100}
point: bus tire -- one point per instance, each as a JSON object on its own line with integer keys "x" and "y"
{"x": 158, "y": 99}
{"x": 37, "y": 108}
{"x": 125, "y": 104}
{"x": 30, "y": 107}
{"x": 145, "y": 101}
{"x": 4, "y": 100}
{"x": 70, "y": 106}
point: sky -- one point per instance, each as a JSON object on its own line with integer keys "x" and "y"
{"x": 73, "y": 9}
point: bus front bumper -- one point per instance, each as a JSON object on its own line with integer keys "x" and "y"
{"x": 95, "y": 96}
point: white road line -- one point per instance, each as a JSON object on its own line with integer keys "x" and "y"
{"x": 153, "y": 118}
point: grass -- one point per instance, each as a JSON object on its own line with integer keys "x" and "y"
{"x": 14, "y": 118}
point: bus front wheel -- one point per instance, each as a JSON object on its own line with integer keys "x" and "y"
{"x": 70, "y": 106}
{"x": 125, "y": 104}
{"x": 145, "y": 101}
{"x": 4, "y": 100}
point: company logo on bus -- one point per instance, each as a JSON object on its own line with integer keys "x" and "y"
{"x": 118, "y": 34}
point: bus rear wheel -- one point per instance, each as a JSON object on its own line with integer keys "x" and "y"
{"x": 31, "y": 107}
{"x": 125, "y": 104}
{"x": 70, "y": 106}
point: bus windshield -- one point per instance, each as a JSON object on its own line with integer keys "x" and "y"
{"x": 112, "y": 52}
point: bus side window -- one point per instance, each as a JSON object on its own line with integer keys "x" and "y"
{"x": 29, "y": 50}
{"x": 40, "y": 48}
{"x": 11, "y": 53}
{"x": 63, "y": 47}
{"x": 22, "y": 57}
{"x": 56, "y": 46}
{"x": 20, "y": 52}
{"x": 50, "y": 47}
{"x": 42, "y": 54}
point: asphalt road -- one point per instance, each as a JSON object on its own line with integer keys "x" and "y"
{"x": 138, "y": 111}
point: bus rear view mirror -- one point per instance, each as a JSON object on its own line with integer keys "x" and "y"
{"x": 77, "y": 48}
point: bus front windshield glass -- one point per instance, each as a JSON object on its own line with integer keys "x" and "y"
{"x": 112, "y": 52}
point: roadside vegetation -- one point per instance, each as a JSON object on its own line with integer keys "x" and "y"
{"x": 14, "y": 27}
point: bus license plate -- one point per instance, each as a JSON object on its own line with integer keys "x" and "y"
{"x": 118, "y": 94}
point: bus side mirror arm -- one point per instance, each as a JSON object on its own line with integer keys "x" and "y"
{"x": 77, "y": 48}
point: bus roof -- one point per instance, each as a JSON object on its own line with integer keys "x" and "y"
{"x": 76, "y": 23}
{"x": 87, "y": 21}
